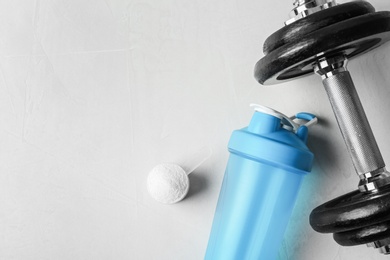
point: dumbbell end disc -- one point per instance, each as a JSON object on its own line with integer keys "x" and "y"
{"x": 348, "y": 38}
{"x": 355, "y": 218}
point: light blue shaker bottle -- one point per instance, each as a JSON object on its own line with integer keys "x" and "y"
{"x": 268, "y": 160}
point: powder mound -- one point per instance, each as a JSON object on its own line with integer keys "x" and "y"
{"x": 168, "y": 183}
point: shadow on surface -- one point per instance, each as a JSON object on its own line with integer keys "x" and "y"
{"x": 327, "y": 152}
{"x": 198, "y": 183}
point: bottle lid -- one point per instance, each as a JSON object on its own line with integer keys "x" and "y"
{"x": 276, "y": 139}
{"x": 287, "y": 122}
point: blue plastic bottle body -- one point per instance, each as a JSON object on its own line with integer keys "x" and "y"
{"x": 263, "y": 176}
{"x": 253, "y": 210}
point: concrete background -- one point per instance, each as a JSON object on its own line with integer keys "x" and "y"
{"x": 94, "y": 94}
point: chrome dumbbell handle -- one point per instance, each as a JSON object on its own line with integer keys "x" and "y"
{"x": 352, "y": 120}
{"x": 303, "y": 8}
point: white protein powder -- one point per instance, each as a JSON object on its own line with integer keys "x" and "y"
{"x": 168, "y": 183}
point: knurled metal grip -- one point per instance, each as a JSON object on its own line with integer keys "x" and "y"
{"x": 353, "y": 122}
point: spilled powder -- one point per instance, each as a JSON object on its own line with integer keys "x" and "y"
{"x": 168, "y": 183}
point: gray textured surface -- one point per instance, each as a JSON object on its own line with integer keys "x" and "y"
{"x": 94, "y": 94}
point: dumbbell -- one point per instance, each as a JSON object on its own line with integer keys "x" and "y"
{"x": 321, "y": 37}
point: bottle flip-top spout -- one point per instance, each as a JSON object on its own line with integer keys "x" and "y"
{"x": 267, "y": 120}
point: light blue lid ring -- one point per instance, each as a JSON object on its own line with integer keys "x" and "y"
{"x": 280, "y": 154}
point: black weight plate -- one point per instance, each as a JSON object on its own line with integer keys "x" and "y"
{"x": 351, "y": 211}
{"x": 363, "y": 235}
{"x": 302, "y": 27}
{"x": 349, "y": 38}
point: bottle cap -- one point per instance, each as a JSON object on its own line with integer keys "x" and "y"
{"x": 275, "y": 139}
